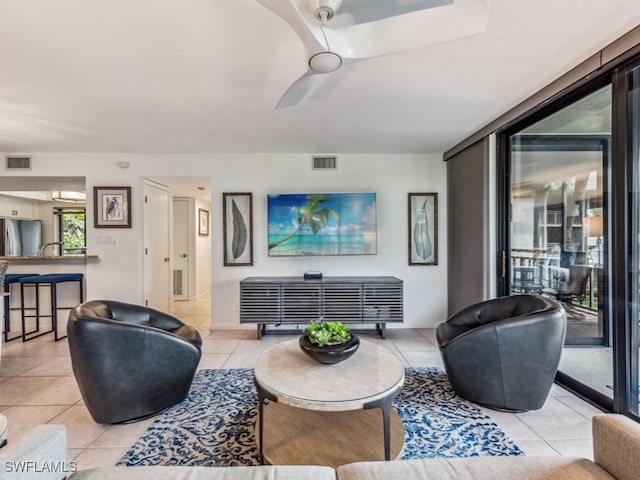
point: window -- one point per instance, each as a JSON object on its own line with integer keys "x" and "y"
{"x": 72, "y": 229}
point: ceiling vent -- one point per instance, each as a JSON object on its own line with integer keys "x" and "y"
{"x": 324, "y": 163}
{"x": 18, "y": 163}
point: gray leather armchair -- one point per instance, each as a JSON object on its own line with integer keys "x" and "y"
{"x": 504, "y": 353}
{"x": 130, "y": 361}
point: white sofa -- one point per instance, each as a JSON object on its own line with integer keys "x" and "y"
{"x": 616, "y": 443}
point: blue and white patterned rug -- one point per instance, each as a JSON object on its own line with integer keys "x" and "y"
{"x": 214, "y": 425}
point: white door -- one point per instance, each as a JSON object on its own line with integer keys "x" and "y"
{"x": 181, "y": 253}
{"x": 157, "y": 216}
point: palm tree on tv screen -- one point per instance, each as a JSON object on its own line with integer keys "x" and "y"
{"x": 311, "y": 214}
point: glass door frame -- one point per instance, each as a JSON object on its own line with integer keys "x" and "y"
{"x": 625, "y": 341}
{"x": 611, "y": 202}
{"x": 577, "y": 143}
{"x": 624, "y": 329}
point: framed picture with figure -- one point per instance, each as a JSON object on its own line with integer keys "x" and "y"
{"x": 237, "y": 220}
{"x": 423, "y": 228}
{"x": 203, "y": 222}
{"x": 112, "y": 207}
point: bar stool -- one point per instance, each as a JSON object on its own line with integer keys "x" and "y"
{"x": 51, "y": 280}
{"x": 10, "y": 279}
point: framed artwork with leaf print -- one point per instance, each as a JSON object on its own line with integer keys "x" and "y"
{"x": 237, "y": 215}
{"x": 423, "y": 228}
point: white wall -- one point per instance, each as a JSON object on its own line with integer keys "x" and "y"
{"x": 42, "y": 211}
{"x": 118, "y": 272}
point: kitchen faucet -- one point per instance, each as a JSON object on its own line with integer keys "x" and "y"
{"x": 41, "y": 251}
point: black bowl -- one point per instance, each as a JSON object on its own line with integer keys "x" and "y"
{"x": 329, "y": 354}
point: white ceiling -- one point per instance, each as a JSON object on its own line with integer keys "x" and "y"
{"x": 205, "y": 75}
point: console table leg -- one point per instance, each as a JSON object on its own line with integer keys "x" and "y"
{"x": 383, "y": 330}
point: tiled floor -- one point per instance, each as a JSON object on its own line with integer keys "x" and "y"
{"x": 37, "y": 386}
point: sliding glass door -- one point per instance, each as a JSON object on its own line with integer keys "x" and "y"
{"x": 571, "y": 208}
{"x": 558, "y": 227}
{"x": 568, "y": 225}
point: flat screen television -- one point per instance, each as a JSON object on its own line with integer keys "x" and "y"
{"x": 307, "y": 224}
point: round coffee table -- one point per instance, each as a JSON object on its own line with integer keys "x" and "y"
{"x": 322, "y": 414}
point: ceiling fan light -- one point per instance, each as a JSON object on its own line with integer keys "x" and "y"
{"x": 325, "y": 62}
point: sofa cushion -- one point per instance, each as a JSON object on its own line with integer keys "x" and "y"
{"x": 476, "y": 468}
{"x": 616, "y": 443}
{"x": 265, "y": 472}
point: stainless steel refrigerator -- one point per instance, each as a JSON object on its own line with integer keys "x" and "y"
{"x": 21, "y": 237}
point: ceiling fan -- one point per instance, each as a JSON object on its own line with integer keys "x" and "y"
{"x": 339, "y": 32}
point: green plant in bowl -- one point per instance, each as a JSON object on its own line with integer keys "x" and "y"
{"x": 328, "y": 333}
{"x": 329, "y": 342}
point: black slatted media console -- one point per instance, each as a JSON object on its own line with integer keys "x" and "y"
{"x": 294, "y": 300}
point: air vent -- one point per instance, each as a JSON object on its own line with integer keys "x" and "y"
{"x": 324, "y": 163}
{"x": 18, "y": 163}
{"x": 177, "y": 282}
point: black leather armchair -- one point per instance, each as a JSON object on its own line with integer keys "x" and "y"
{"x": 504, "y": 353}
{"x": 576, "y": 288}
{"x": 130, "y": 361}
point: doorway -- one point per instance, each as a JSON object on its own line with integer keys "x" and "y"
{"x": 157, "y": 257}
{"x": 183, "y": 248}
{"x": 190, "y": 250}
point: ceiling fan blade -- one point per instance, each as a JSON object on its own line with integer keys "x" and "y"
{"x": 394, "y": 26}
{"x": 315, "y": 85}
{"x": 297, "y": 90}
{"x": 355, "y": 12}
{"x": 312, "y": 37}
{"x": 309, "y": 32}
{"x": 332, "y": 81}
{"x": 407, "y": 32}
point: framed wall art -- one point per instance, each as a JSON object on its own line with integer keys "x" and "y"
{"x": 112, "y": 207}
{"x": 203, "y": 222}
{"x": 237, "y": 215}
{"x": 423, "y": 228}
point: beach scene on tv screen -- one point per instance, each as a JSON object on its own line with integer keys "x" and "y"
{"x": 322, "y": 224}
